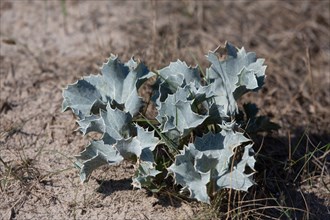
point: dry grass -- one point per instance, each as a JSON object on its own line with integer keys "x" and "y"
{"x": 37, "y": 142}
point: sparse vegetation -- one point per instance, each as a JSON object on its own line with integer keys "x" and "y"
{"x": 40, "y": 54}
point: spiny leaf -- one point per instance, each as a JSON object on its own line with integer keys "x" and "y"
{"x": 118, "y": 84}
{"x": 176, "y": 114}
{"x": 144, "y": 175}
{"x": 114, "y": 147}
{"x": 91, "y": 123}
{"x": 234, "y": 76}
{"x": 176, "y": 75}
{"x": 236, "y": 178}
{"x": 148, "y": 143}
{"x": 117, "y": 124}
{"x": 208, "y": 159}
{"x": 121, "y": 82}
{"x": 107, "y": 104}
{"x": 95, "y": 155}
{"x": 188, "y": 177}
{"x": 141, "y": 147}
{"x": 82, "y": 96}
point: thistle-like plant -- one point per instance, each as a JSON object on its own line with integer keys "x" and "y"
{"x": 194, "y": 138}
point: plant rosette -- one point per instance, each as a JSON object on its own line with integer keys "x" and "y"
{"x": 194, "y": 138}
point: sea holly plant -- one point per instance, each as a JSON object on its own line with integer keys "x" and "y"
{"x": 194, "y": 141}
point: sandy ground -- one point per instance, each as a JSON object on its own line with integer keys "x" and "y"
{"x": 56, "y": 44}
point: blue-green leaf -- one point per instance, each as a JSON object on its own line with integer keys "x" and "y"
{"x": 118, "y": 84}
{"x": 82, "y": 96}
{"x": 147, "y": 142}
{"x": 116, "y": 127}
{"x": 144, "y": 174}
{"x": 210, "y": 159}
{"x": 95, "y": 155}
{"x": 235, "y": 178}
{"x": 233, "y": 76}
{"x": 108, "y": 103}
{"x": 117, "y": 123}
{"x": 188, "y": 177}
{"x": 91, "y": 123}
{"x": 176, "y": 75}
{"x": 175, "y": 113}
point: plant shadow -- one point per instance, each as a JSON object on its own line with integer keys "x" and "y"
{"x": 292, "y": 173}
{"x": 164, "y": 199}
{"x": 284, "y": 165}
{"x": 107, "y": 187}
